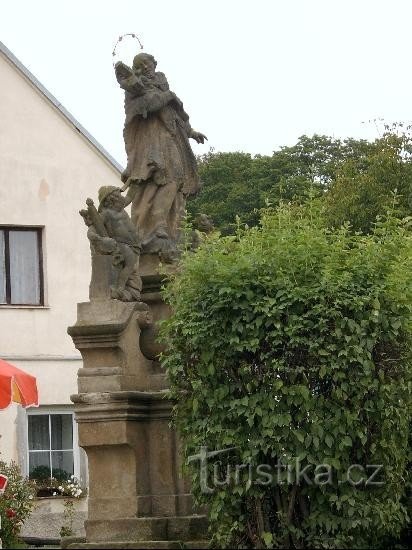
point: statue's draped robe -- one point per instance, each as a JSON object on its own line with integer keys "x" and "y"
{"x": 159, "y": 156}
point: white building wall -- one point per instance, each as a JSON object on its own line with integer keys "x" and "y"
{"x": 47, "y": 170}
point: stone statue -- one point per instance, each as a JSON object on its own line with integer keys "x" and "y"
{"x": 110, "y": 231}
{"x": 161, "y": 167}
{"x": 202, "y": 225}
{"x": 123, "y": 407}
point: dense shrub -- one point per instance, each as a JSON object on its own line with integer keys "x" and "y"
{"x": 290, "y": 344}
{"x": 15, "y": 505}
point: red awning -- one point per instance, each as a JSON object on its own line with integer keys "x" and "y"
{"x": 17, "y": 385}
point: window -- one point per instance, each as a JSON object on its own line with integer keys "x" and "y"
{"x": 21, "y": 272}
{"x": 50, "y": 445}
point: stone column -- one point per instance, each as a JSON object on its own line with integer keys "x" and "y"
{"x": 137, "y": 496}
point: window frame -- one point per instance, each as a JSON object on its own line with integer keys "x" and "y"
{"x": 75, "y": 447}
{"x": 39, "y": 230}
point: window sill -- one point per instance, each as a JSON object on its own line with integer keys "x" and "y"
{"x": 15, "y": 306}
{"x": 61, "y": 497}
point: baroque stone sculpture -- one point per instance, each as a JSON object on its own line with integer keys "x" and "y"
{"x": 111, "y": 232}
{"x": 202, "y": 225}
{"x": 138, "y": 497}
{"x": 161, "y": 167}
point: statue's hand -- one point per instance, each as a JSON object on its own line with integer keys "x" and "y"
{"x": 198, "y": 136}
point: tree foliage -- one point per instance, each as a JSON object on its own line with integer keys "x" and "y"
{"x": 355, "y": 177}
{"x": 363, "y": 186}
{"x": 290, "y": 343}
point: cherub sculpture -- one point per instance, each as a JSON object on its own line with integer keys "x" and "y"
{"x": 202, "y": 225}
{"x": 110, "y": 231}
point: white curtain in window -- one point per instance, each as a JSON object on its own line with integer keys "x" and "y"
{"x": 39, "y": 465}
{"x": 39, "y": 444}
{"x": 62, "y": 464}
{"x": 2, "y": 270}
{"x": 50, "y": 438}
{"x": 24, "y": 267}
{"x": 61, "y": 432}
{"x": 39, "y": 435}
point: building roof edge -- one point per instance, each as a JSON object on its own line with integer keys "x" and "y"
{"x": 45, "y": 92}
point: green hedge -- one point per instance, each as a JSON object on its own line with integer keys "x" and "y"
{"x": 291, "y": 345}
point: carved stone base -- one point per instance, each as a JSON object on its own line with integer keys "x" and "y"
{"x": 148, "y": 529}
{"x": 136, "y": 491}
{"x": 137, "y": 495}
{"x": 107, "y": 335}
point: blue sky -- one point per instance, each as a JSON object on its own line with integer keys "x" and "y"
{"x": 253, "y": 75}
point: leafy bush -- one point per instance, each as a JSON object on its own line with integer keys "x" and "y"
{"x": 290, "y": 345}
{"x": 15, "y": 505}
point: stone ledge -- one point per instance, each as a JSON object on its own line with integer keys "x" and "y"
{"x": 140, "y": 530}
{"x": 143, "y": 545}
{"x": 106, "y": 397}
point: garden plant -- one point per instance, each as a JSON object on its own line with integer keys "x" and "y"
{"x": 289, "y": 350}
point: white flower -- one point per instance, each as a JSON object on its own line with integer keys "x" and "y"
{"x": 31, "y": 497}
{"x": 54, "y": 494}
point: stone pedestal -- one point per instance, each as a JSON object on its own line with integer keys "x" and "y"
{"x": 137, "y": 496}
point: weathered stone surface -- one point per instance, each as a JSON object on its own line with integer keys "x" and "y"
{"x": 142, "y": 545}
{"x": 111, "y": 233}
{"x": 134, "y": 464}
{"x": 148, "y": 529}
{"x": 133, "y": 454}
{"x": 107, "y": 335}
{"x": 48, "y": 517}
{"x": 161, "y": 167}
{"x": 202, "y": 225}
{"x": 72, "y": 542}
{"x": 137, "y": 495}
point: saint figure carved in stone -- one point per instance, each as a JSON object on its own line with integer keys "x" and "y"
{"x": 161, "y": 167}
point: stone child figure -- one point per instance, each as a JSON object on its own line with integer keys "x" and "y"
{"x": 112, "y": 232}
{"x": 160, "y": 163}
{"x": 202, "y": 225}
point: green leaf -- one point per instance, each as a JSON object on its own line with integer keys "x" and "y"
{"x": 267, "y": 538}
{"x": 300, "y": 436}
